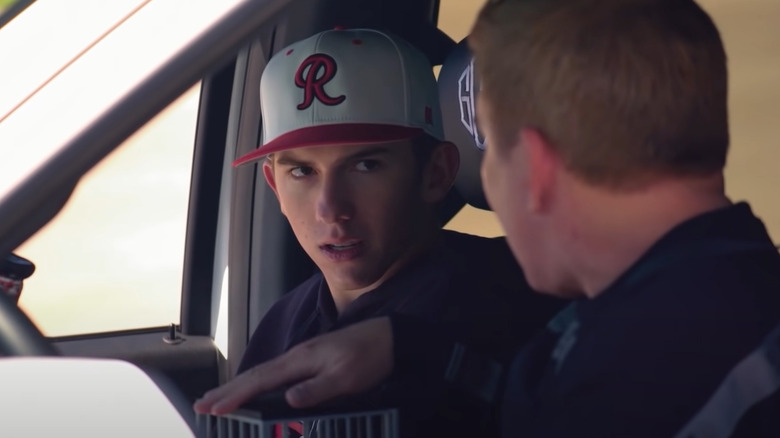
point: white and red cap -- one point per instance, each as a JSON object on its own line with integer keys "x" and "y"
{"x": 356, "y": 86}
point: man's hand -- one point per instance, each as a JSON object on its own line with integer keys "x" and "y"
{"x": 344, "y": 362}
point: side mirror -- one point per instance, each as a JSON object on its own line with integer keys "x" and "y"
{"x": 13, "y": 271}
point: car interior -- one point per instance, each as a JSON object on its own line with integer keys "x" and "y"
{"x": 233, "y": 219}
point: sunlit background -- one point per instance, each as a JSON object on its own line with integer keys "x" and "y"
{"x": 112, "y": 258}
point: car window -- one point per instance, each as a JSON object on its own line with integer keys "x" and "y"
{"x": 112, "y": 258}
{"x": 84, "y": 63}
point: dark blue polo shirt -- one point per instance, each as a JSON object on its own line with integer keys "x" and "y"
{"x": 464, "y": 278}
{"x": 642, "y": 357}
{"x": 469, "y": 281}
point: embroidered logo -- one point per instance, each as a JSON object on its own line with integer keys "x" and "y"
{"x": 467, "y": 96}
{"x": 566, "y": 325}
{"x": 312, "y": 75}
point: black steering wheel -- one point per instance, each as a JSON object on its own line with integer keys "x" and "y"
{"x": 18, "y": 335}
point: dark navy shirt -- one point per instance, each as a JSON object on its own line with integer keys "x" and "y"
{"x": 642, "y": 357}
{"x": 471, "y": 282}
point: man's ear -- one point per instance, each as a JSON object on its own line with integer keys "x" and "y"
{"x": 542, "y": 164}
{"x": 439, "y": 174}
{"x": 268, "y": 171}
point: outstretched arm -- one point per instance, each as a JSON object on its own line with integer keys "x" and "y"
{"x": 343, "y": 362}
{"x": 359, "y": 357}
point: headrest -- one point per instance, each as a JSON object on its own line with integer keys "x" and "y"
{"x": 458, "y": 90}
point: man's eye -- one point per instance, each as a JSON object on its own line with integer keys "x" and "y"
{"x": 367, "y": 165}
{"x": 300, "y": 172}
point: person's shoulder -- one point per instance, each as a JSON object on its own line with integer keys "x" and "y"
{"x": 722, "y": 254}
{"x": 751, "y": 279}
{"x": 708, "y": 290}
{"x": 721, "y": 264}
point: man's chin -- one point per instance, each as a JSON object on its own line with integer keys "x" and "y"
{"x": 352, "y": 279}
{"x": 555, "y": 288}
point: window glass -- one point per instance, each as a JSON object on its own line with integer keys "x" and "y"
{"x": 112, "y": 258}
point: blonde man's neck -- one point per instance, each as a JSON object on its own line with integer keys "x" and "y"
{"x": 614, "y": 229}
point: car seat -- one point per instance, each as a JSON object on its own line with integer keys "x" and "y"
{"x": 458, "y": 90}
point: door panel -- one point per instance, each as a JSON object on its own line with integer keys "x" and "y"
{"x": 191, "y": 364}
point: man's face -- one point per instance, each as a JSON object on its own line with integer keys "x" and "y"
{"x": 357, "y": 210}
{"x": 506, "y": 182}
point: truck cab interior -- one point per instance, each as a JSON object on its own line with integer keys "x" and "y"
{"x": 236, "y": 252}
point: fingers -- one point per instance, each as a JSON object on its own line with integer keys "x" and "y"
{"x": 310, "y": 392}
{"x": 343, "y": 362}
{"x": 262, "y": 378}
{"x": 348, "y": 361}
{"x": 331, "y": 382}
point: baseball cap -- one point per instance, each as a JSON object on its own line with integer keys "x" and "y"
{"x": 346, "y": 86}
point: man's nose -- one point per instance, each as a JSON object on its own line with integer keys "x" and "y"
{"x": 334, "y": 203}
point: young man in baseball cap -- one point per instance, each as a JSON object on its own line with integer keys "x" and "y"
{"x": 354, "y": 151}
{"x": 607, "y": 131}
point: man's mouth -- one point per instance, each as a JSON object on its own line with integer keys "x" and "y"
{"x": 343, "y": 251}
{"x": 342, "y": 246}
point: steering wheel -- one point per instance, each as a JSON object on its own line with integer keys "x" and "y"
{"x": 18, "y": 335}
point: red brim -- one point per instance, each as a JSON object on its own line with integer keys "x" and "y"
{"x": 329, "y": 135}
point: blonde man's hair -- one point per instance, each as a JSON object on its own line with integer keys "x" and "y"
{"x": 622, "y": 89}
